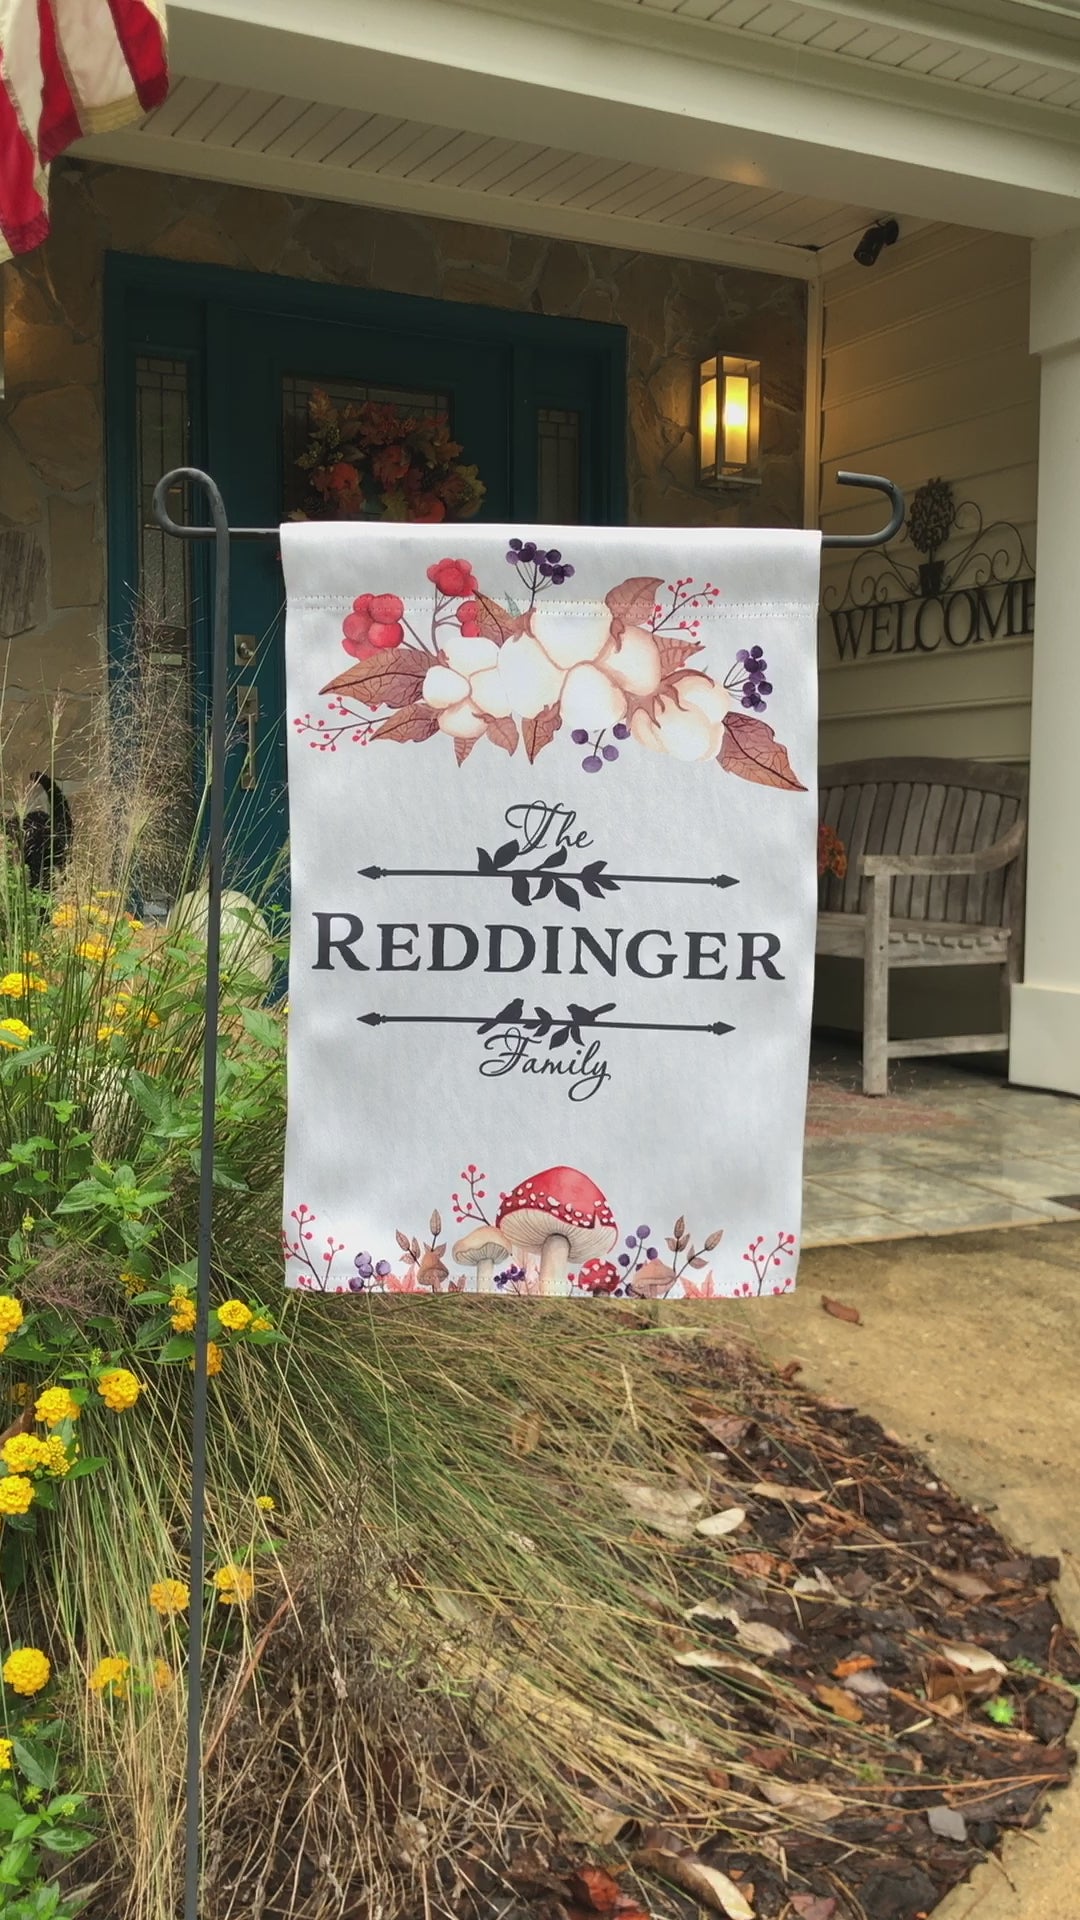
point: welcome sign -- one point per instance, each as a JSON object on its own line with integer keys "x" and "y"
{"x": 553, "y": 820}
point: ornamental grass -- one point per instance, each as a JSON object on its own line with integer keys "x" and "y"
{"x": 433, "y": 1614}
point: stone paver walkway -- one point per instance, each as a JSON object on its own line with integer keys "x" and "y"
{"x": 947, "y": 1150}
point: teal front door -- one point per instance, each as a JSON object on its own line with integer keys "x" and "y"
{"x": 215, "y": 368}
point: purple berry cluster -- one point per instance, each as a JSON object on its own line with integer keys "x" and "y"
{"x": 599, "y": 753}
{"x": 639, "y": 1249}
{"x": 510, "y": 1279}
{"x": 549, "y": 567}
{"x": 370, "y": 1274}
{"x": 747, "y": 678}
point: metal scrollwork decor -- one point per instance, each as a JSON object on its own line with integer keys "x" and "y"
{"x": 984, "y": 589}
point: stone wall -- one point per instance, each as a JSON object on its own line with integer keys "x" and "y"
{"x": 51, "y": 461}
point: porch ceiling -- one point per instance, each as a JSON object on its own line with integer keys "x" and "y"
{"x": 763, "y": 132}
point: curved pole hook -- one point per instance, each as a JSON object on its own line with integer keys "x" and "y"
{"x": 896, "y": 519}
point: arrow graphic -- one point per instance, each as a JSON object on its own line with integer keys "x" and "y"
{"x": 588, "y": 1026}
{"x": 538, "y": 873}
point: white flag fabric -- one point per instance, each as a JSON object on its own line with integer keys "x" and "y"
{"x": 553, "y": 836}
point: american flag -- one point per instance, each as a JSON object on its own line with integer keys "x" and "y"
{"x": 67, "y": 68}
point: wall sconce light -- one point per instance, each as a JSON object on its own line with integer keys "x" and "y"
{"x": 729, "y": 420}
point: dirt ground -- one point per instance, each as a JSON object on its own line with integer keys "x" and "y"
{"x": 969, "y": 1351}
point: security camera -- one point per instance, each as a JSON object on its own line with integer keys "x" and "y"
{"x": 883, "y": 233}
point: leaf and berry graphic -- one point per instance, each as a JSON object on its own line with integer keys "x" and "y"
{"x": 516, "y": 670}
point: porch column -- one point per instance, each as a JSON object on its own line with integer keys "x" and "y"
{"x": 1045, "y": 1049}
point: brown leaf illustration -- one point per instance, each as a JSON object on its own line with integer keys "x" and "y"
{"x": 462, "y": 750}
{"x": 412, "y": 723}
{"x": 392, "y": 678}
{"x": 435, "y": 1224}
{"x": 674, "y": 654}
{"x": 752, "y": 750}
{"x": 495, "y": 622}
{"x": 503, "y": 733}
{"x": 631, "y": 603}
{"x": 539, "y": 732}
{"x": 403, "y": 1241}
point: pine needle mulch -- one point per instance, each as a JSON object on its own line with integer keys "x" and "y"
{"x": 572, "y": 1615}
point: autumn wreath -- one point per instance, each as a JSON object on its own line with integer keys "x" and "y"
{"x": 371, "y": 461}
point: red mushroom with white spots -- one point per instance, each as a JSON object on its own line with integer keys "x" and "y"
{"x": 565, "y": 1215}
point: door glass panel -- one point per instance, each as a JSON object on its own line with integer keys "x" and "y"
{"x": 161, "y": 622}
{"x": 297, "y": 390}
{"x": 558, "y": 478}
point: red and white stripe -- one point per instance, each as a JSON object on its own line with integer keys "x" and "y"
{"x": 68, "y": 68}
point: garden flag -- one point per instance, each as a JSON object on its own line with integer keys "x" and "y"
{"x": 67, "y": 68}
{"x": 553, "y": 824}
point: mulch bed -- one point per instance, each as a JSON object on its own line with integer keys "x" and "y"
{"x": 894, "y": 1682}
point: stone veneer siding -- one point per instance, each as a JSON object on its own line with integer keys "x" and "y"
{"x": 52, "y": 574}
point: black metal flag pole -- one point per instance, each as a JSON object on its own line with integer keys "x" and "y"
{"x": 219, "y": 534}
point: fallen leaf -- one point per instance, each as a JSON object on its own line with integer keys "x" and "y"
{"x": 410, "y": 724}
{"x": 868, "y": 1686}
{"x": 752, "y": 750}
{"x": 788, "y": 1373}
{"x": 795, "y": 1496}
{"x": 540, "y": 731}
{"x": 717, "y": 1777}
{"x": 727, "y": 1429}
{"x": 669, "y": 1510}
{"x": 816, "y": 1586}
{"x": 525, "y": 1431}
{"x": 758, "y": 1637}
{"x": 594, "y": 1887}
{"x": 769, "y": 1758}
{"x": 760, "y": 1566}
{"x": 813, "y": 1906}
{"x": 840, "y": 1703}
{"x": 969, "y": 1586}
{"x": 947, "y": 1822}
{"x": 806, "y": 1802}
{"x": 855, "y": 1663}
{"x": 708, "y": 1662}
{"x": 840, "y": 1311}
{"x": 716, "y": 1525}
{"x": 704, "y": 1883}
{"x": 971, "y": 1659}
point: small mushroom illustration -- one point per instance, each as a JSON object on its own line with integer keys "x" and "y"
{"x": 653, "y": 1280}
{"x": 482, "y": 1248}
{"x": 562, "y": 1213}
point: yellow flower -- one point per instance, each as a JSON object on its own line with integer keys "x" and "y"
{"x": 169, "y": 1596}
{"x": 106, "y": 893}
{"x": 111, "y": 1673}
{"x": 20, "y": 1393}
{"x": 213, "y": 1358}
{"x": 234, "y": 1585}
{"x": 119, "y": 1389}
{"x": 16, "y": 1493}
{"x": 65, "y": 917}
{"x": 20, "y": 983}
{"x": 54, "y": 1457}
{"x": 234, "y": 1315}
{"x": 106, "y": 1033}
{"x": 265, "y": 1502}
{"x": 31, "y": 959}
{"x": 14, "y": 1033}
{"x": 7, "y": 1748}
{"x": 26, "y": 1670}
{"x": 132, "y": 1283}
{"x": 136, "y": 926}
{"x": 94, "y": 948}
{"x": 261, "y": 1324}
{"x": 183, "y": 1320}
{"x": 28, "y": 1223}
{"x": 55, "y": 1405}
{"x": 23, "y": 1452}
{"x": 163, "y": 1675}
{"x": 11, "y": 1313}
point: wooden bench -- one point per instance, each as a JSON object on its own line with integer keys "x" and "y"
{"x": 935, "y": 878}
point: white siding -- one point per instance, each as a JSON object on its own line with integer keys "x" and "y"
{"x": 927, "y": 373}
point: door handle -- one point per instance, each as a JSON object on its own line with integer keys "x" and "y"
{"x": 247, "y": 712}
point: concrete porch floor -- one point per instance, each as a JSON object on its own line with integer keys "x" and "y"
{"x": 951, "y": 1148}
{"x": 969, "y": 1351}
